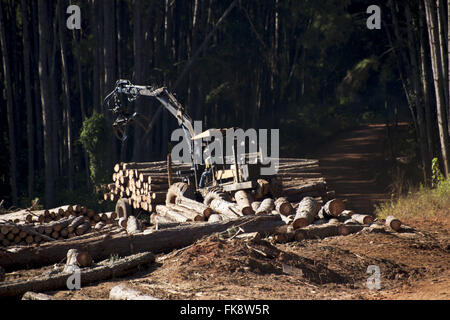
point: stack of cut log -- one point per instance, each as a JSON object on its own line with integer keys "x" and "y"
{"x": 302, "y": 178}
{"x": 144, "y": 184}
{"x": 314, "y": 220}
{"x": 27, "y": 227}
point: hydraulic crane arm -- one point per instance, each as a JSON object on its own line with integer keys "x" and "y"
{"x": 161, "y": 94}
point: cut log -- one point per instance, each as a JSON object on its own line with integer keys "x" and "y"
{"x": 179, "y": 189}
{"x": 306, "y": 212}
{"x": 102, "y": 246}
{"x": 99, "y": 226}
{"x": 244, "y": 200}
{"x": 224, "y": 208}
{"x": 348, "y": 212}
{"x": 37, "y": 296}
{"x": 284, "y": 207}
{"x": 157, "y": 219}
{"x": 123, "y": 222}
{"x": 4, "y": 229}
{"x": 284, "y": 234}
{"x": 83, "y": 228}
{"x": 332, "y": 208}
{"x": 287, "y": 219}
{"x": 121, "y": 292}
{"x": 29, "y": 229}
{"x": 363, "y": 218}
{"x": 266, "y": 207}
{"x": 64, "y": 233}
{"x": 77, "y": 259}
{"x": 189, "y": 214}
{"x": 100, "y": 272}
{"x": 193, "y": 205}
{"x": 133, "y": 225}
{"x": 324, "y": 231}
{"x": 75, "y": 223}
{"x": 215, "y": 218}
{"x": 255, "y": 205}
{"x": 262, "y": 189}
{"x": 393, "y": 223}
{"x": 170, "y": 214}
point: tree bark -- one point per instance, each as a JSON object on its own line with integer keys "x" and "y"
{"x": 332, "y": 208}
{"x": 100, "y": 247}
{"x": 393, "y": 223}
{"x": 266, "y": 207}
{"x": 244, "y": 202}
{"x": 362, "y": 218}
{"x": 283, "y": 207}
{"x": 28, "y": 96}
{"x": 307, "y": 211}
{"x": 47, "y": 107}
{"x": 64, "y": 46}
{"x": 436, "y": 60}
{"x": 325, "y": 231}
{"x": 10, "y": 108}
{"x": 102, "y": 271}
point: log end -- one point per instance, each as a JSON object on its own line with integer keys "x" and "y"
{"x": 300, "y": 223}
{"x": 247, "y": 211}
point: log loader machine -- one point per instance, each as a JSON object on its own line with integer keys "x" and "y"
{"x": 228, "y": 177}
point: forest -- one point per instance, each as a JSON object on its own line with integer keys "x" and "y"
{"x": 310, "y": 68}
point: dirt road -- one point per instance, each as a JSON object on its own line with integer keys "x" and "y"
{"x": 350, "y": 163}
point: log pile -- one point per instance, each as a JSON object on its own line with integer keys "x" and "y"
{"x": 302, "y": 178}
{"x": 144, "y": 184}
{"x": 27, "y": 227}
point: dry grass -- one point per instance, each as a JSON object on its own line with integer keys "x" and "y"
{"x": 422, "y": 203}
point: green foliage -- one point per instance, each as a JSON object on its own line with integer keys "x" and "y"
{"x": 437, "y": 176}
{"x": 95, "y": 138}
{"x": 421, "y": 203}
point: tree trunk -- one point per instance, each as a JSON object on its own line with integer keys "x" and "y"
{"x": 414, "y": 76}
{"x": 28, "y": 96}
{"x": 194, "y": 206}
{"x": 425, "y": 86}
{"x": 243, "y": 199}
{"x": 363, "y": 219}
{"x": 283, "y": 207}
{"x": 266, "y": 207}
{"x": 393, "y": 223}
{"x": 438, "y": 85}
{"x": 332, "y": 208}
{"x": 227, "y": 209}
{"x": 101, "y": 247}
{"x": 10, "y": 108}
{"x": 110, "y": 61}
{"x": 189, "y": 214}
{"x": 103, "y": 271}
{"x": 44, "y": 79}
{"x": 307, "y": 211}
{"x": 64, "y": 46}
{"x": 324, "y": 231}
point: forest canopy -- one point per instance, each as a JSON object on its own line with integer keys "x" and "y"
{"x": 310, "y": 68}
